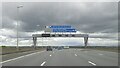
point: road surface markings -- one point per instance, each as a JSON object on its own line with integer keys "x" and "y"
{"x": 75, "y": 54}
{"x": 43, "y": 63}
{"x": 100, "y": 54}
{"x": 50, "y": 55}
{"x": 20, "y": 57}
{"x": 85, "y": 51}
{"x": 80, "y": 49}
{"x": 92, "y": 63}
{"x": 12, "y": 59}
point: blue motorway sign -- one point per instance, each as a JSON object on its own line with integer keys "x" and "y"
{"x": 60, "y": 26}
{"x": 64, "y": 30}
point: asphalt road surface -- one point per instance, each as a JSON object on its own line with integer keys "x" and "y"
{"x": 65, "y": 57}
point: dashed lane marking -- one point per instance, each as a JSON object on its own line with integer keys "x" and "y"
{"x": 50, "y": 55}
{"x": 92, "y": 63}
{"x": 43, "y": 63}
{"x": 75, "y": 54}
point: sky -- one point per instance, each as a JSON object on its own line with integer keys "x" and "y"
{"x": 98, "y": 19}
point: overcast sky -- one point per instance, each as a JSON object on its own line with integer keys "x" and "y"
{"x": 98, "y": 19}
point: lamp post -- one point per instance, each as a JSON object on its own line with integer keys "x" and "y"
{"x": 37, "y": 28}
{"x": 18, "y": 7}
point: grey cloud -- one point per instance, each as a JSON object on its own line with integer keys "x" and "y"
{"x": 7, "y": 22}
{"x": 85, "y": 17}
{"x": 112, "y": 36}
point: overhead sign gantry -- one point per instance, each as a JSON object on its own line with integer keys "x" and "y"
{"x": 58, "y": 31}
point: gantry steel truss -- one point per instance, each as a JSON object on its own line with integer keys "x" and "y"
{"x": 59, "y": 35}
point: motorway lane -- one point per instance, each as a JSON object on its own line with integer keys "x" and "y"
{"x": 67, "y": 57}
{"x": 101, "y": 58}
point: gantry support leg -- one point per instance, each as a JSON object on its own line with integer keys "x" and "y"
{"x": 34, "y": 42}
{"x": 85, "y": 41}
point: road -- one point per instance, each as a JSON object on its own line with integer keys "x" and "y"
{"x": 66, "y": 57}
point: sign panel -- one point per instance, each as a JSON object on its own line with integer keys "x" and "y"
{"x": 45, "y": 35}
{"x": 55, "y": 28}
{"x": 60, "y": 26}
{"x": 64, "y": 30}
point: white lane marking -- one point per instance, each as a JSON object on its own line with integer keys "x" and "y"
{"x": 80, "y": 49}
{"x": 20, "y": 57}
{"x": 43, "y": 63}
{"x": 50, "y": 55}
{"x": 85, "y": 51}
{"x": 92, "y": 63}
{"x": 75, "y": 54}
{"x": 100, "y": 54}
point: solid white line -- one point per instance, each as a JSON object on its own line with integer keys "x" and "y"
{"x": 50, "y": 55}
{"x": 92, "y": 63}
{"x": 85, "y": 51}
{"x": 81, "y": 49}
{"x": 20, "y": 57}
{"x": 75, "y": 54}
{"x": 43, "y": 63}
{"x": 100, "y": 54}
